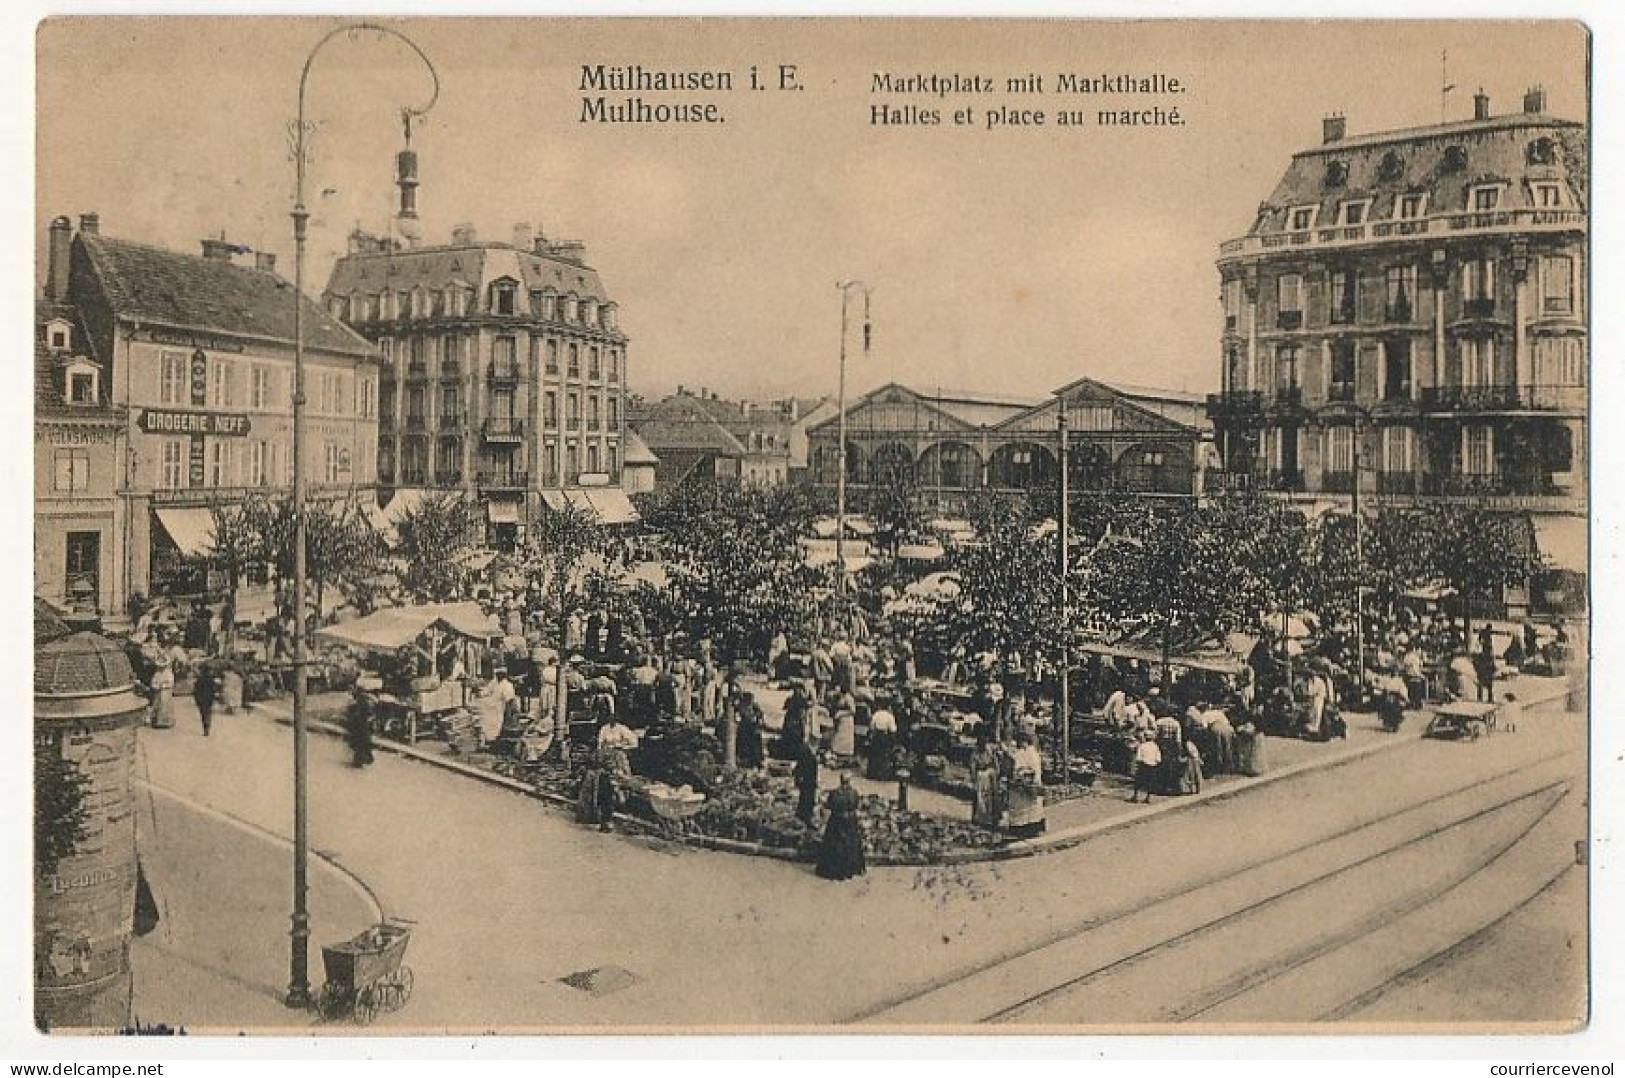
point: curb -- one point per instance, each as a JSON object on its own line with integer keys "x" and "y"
{"x": 1016, "y": 850}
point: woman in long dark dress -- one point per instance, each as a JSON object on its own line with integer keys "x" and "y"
{"x": 806, "y": 779}
{"x": 750, "y": 732}
{"x": 840, "y": 854}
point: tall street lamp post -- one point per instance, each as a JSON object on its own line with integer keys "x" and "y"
{"x": 846, "y": 288}
{"x": 299, "y": 935}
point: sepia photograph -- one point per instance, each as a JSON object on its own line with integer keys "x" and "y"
{"x": 810, "y": 525}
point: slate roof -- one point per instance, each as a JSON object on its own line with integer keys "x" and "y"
{"x": 476, "y": 264}
{"x": 155, "y": 285}
{"x": 682, "y": 422}
{"x": 634, "y": 450}
{"x": 50, "y": 390}
{"x": 1497, "y": 150}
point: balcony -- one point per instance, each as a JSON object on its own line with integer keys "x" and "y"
{"x": 1396, "y": 483}
{"x": 1237, "y": 406}
{"x": 1483, "y": 307}
{"x": 1503, "y": 398}
{"x": 417, "y": 421}
{"x": 502, "y": 372}
{"x": 417, "y": 368}
{"x": 451, "y": 420}
{"x": 1460, "y": 225}
{"x": 1398, "y": 312}
{"x": 504, "y": 429}
{"x": 1287, "y": 399}
{"x": 448, "y": 478}
{"x": 1289, "y": 320}
{"x": 1337, "y": 482}
{"x": 1340, "y": 393}
{"x": 451, "y": 370}
{"x": 493, "y": 479}
{"x": 1288, "y": 480}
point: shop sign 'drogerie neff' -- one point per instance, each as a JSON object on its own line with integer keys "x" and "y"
{"x": 176, "y": 421}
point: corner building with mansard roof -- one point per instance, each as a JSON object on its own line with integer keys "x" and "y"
{"x": 504, "y": 372}
{"x": 1405, "y": 323}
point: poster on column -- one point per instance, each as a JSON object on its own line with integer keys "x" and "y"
{"x": 1068, "y": 526}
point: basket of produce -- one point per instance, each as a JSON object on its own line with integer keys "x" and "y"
{"x": 674, "y": 803}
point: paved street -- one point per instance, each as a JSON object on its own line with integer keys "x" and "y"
{"x": 511, "y": 896}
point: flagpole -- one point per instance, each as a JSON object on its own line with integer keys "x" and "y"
{"x": 840, "y": 480}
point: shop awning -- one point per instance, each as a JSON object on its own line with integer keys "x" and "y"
{"x": 403, "y": 502}
{"x": 503, "y": 511}
{"x": 1562, "y": 542}
{"x": 612, "y": 505}
{"x": 191, "y": 530}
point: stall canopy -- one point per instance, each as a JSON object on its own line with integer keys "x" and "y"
{"x": 191, "y": 530}
{"x": 920, "y": 551}
{"x": 612, "y": 505}
{"x": 1226, "y": 656}
{"x": 825, "y": 527}
{"x": 1562, "y": 542}
{"x": 397, "y": 627}
{"x": 405, "y": 500}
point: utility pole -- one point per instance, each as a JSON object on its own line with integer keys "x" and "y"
{"x": 1066, "y": 609}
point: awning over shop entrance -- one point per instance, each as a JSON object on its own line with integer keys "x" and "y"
{"x": 1562, "y": 542}
{"x": 191, "y": 530}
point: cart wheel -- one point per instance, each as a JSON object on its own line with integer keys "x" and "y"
{"x": 329, "y": 1002}
{"x": 403, "y": 987}
{"x": 367, "y": 1003}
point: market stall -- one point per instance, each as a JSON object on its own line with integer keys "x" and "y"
{"x": 418, "y": 657}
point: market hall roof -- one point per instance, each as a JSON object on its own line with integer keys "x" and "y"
{"x": 150, "y": 284}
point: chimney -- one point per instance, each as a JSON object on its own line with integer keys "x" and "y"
{"x": 90, "y": 224}
{"x": 1333, "y": 128}
{"x": 571, "y": 251}
{"x": 1481, "y": 105}
{"x": 1534, "y": 100}
{"x": 220, "y": 250}
{"x": 524, "y": 237}
{"x": 680, "y": 390}
{"x": 539, "y": 245}
{"x": 462, "y": 235}
{"x": 56, "y": 267}
{"x": 406, "y": 178}
{"x": 265, "y": 261}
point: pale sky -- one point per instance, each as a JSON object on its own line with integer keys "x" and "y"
{"x": 1011, "y": 261}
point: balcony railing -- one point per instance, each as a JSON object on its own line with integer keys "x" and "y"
{"x": 1504, "y": 398}
{"x": 1236, "y": 404}
{"x": 1491, "y": 483}
{"x": 1337, "y": 482}
{"x": 1483, "y": 307}
{"x": 502, "y": 480}
{"x": 1341, "y": 393}
{"x": 1396, "y": 483}
{"x": 451, "y": 370}
{"x": 1457, "y": 224}
{"x": 1289, "y": 480}
{"x": 386, "y": 419}
{"x": 1398, "y": 312}
{"x": 416, "y": 421}
{"x": 1288, "y": 397}
{"x": 448, "y": 478}
{"x": 503, "y": 371}
{"x": 504, "y": 429}
{"x": 417, "y": 368}
{"x": 451, "y": 420}
{"x": 1289, "y": 320}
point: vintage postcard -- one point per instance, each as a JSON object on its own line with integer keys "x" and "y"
{"x": 810, "y": 525}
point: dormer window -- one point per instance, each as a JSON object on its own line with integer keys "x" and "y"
{"x": 58, "y": 335}
{"x": 82, "y": 383}
{"x": 1353, "y": 212}
{"x": 1302, "y": 218}
{"x": 502, "y": 296}
{"x": 1412, "y": 206}
{"x": 1547, "y": 195}
{"x": 1484, "y": 198}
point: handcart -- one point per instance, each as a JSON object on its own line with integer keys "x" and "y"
{"x": 365, "y": 974}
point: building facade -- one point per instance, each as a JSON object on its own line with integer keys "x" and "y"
{"x": 700, "y": 434}
{"x": 1406, "y": 320}
{"x": 504, "y": 369}
{"x": 79, "y": 448}
{"x": 196, "y": 356}
{"x": 950, "y": 445}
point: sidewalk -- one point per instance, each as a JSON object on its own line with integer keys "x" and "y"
{"x": 218, "y": 962}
